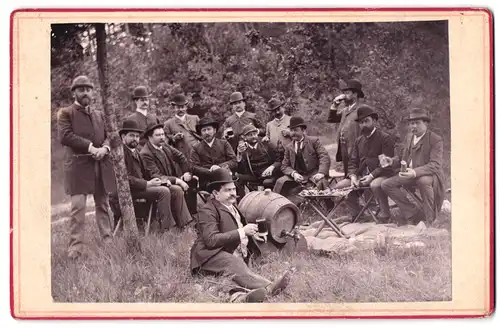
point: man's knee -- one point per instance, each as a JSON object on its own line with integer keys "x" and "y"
{"x": 425, "y": 181}
{"x": 389, "y": 184}
{"x": 176, "y": 190}
{"x": 377, "y": 183}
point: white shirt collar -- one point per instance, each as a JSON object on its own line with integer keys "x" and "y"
{"x": 373, "y": 131}
{"x": 417, "y": 139}
{"x": 254, "y": 147}
{"x": 157, "y": 147}
{"x": 183, "y": 118}
{"x": 143, "y": 112}
{"x": 210, "y": 143}
{"x": 239, "y": 114}
{"x": 86, "y": 108}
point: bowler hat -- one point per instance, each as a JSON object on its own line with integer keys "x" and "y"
{"x": 150, "y": 128}
{"x": 296, "y": 121}
{"x": 418, "y": 114}
{"x": 219, "y": 177}
{"x": 179, "y": 100}
{"x": 129, "y": 126}
{"x": 274, "y": 104}
{"x": 355, "y": 85}
{"x": 235, "y": 97}
{"x": 365, "y": 111}
{"x": 248, "y": 128}
{"x": 81, "y": 81}
{"x": 206, "y": 121}
{"x": 140, "y": 92}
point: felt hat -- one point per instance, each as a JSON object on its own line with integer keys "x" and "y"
{"x": 179, "y": 100}
{"x": 248, "y": 128}
{"x": 140, "y": 92}
{"x": 354, "y": 85}
{"x": 365, "y": 111}
{"x": 235, "y": 97}
{"x": 418, "y": 114}
{"x": 274, "y": 104}
{"x": 206, "y": 121}
{"x": 219, "y": 177}
{"x": 129, "y": 126}
{"x": 81, "y": 81}
{"x": 150, "y": 128}
{"x": 296, "y": 121}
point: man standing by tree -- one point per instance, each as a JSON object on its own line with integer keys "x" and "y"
{"x": 182, "y": 127}
{"x": 231, "y": 129}
{"x": 140, "y": 97}
{"x": 87, "y": 166}
{"x": 344, "y": 111}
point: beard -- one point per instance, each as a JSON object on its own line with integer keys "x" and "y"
{"x": 133, "y": 144}
{"x": 84, "y": 101}
{"x": 252, "y": 141}
{"x": 208, "y": 137}
{"x": 279, "y": 115}
{"x": 366, "y": 130}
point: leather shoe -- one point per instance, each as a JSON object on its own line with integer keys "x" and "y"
{"x": 254, "y": 296}
{"x": 416, "y": 218}
{"x": 279, "y": 285}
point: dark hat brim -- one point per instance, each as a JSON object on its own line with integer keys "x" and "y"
{"x": 179, "y": 104}
{"x": 235, "y": 101}
{"x": 375, "y": 115}
{"x": 360, "y": 92}
{"x": 214, "y": 184}
{"x": 82, "y": 85}
{"x": 145, "y": 96}
{"x": 297, "y": 125}
{"x": 151, "y": 129}
{"x": 250, "y": 131}
{"x": 272, "y": 109}
{"x": 122, "y": 131}
{"x": 419, "y": 117}
{"x": 214, "y": 124}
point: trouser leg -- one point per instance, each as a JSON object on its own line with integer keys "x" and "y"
{"x": 392, "y": 188}
{"x": 191, "y": 196}
{"x": 380, "y": 196}
{"x": 162, "y": 196}
{"x": 101, "y": 200}
{"x": 180, "y": 210}
{"x": 425, "y": 185}
{"x": 78, "y": 205}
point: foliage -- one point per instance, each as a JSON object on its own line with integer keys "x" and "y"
{"x": 400, "y": 64}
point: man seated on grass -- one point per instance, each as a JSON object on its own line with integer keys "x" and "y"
{"x": 364, "y": 165}
{"x": 151, "y": 190}
{"x": 211, "y": 153}
{"x": 423, "y": 152}
{"x": 306, "y": 161}
{"x": 257, "y": 162}
{"x": 226, "y": 242}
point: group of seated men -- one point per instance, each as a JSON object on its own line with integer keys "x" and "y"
{"x": 181, "y": 155}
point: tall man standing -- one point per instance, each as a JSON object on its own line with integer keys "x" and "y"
{"x": 140, "y": 97}
{"x": 87, "y": 166}
{"x": 182, "y": 127}
{"x": 344, "y": 111}
{"x": 231, "y": 129}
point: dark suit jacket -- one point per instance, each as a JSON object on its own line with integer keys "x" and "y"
{"x": 427, "y": 160}
{"x": 203, "y": 156}
{"x": 351, "y": 128}
{"x": 77, "y": 129}
{"x": 366, "y": 151}
{"x": 273, "y": 158}
{"x": 157, "y": 166}
{"x": 217, "y": 232}
{"x": 136, "y": 171}
{"x": 315, "y": 156}
{"x": 188, "y": 128}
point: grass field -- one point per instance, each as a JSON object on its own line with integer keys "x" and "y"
{"x": 156, "y": 269}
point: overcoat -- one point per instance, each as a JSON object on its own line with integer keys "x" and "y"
{"x": 77, "y": 129}
{"x": 188, "y": 128}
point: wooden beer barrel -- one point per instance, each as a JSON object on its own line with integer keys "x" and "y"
{"x": 280, "y": 213}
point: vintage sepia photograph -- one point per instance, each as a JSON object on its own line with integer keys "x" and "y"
{"x": 250, "y": 162}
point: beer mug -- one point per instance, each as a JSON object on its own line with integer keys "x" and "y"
{"x": 262, "y": 227}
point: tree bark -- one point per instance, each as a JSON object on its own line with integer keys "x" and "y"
{"x": 116, "y": 155}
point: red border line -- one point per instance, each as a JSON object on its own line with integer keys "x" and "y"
{"x": 92, "y": 10}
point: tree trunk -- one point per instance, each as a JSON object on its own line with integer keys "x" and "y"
{"x": 116, "y": 155}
